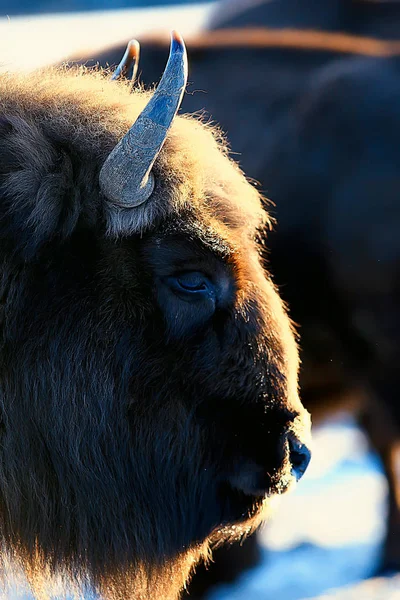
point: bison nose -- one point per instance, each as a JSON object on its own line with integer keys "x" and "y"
{"x": 299, "y": 455}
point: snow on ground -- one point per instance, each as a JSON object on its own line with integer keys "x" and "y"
{"x": 373, "y": 589}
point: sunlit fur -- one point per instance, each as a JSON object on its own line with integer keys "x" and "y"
{"x": 120, "y": 418}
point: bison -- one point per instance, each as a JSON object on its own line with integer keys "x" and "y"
{"x": 306, "y": 113}
{"x": 149, "y": 402}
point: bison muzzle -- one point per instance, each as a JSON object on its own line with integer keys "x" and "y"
{"x": 148, "y": 383}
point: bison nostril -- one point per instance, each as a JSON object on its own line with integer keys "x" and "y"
{"x": 300, "y": 456}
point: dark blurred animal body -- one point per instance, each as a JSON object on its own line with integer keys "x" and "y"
{"x": 149, "y": 370}
{"x": 372, "y": 18}
{"x": 314, "y": 117}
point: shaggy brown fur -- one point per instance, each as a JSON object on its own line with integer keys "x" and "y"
{"x": 82, "y": 109}
{"x": 134, "y": 424}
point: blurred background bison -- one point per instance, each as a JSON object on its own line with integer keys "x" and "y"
{"x": 149, "y": 370}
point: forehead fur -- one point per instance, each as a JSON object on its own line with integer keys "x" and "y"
{"x": 91, "y": 113}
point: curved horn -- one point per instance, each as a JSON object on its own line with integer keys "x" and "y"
{"x": 131, "y": 57}
{"x": 126, "y": 178}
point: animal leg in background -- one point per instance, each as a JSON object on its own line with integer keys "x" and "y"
{"x": 384, "y": 434}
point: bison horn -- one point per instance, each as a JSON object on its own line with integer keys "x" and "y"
{"x": 126, "y": 178}
{"x": 131, "y": 57}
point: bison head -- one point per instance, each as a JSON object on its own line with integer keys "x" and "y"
{"x": 148, "y": 367}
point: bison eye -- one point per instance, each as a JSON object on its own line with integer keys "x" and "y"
{"x": 192, "y": 285}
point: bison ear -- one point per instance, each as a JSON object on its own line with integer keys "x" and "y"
{"x": 37, "y": 203}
